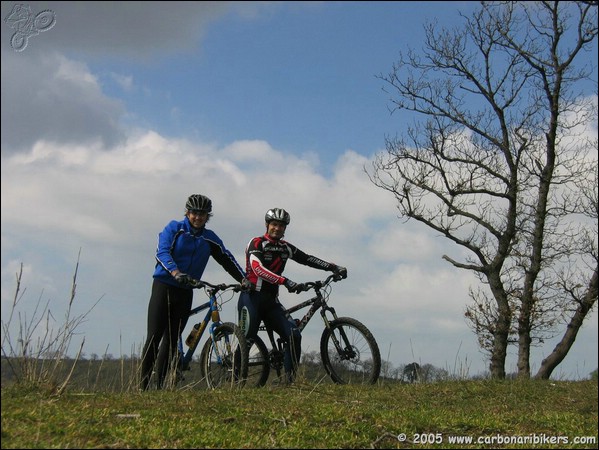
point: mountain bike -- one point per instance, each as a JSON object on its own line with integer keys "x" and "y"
{"x": 224, "y": 356}
{"x": 348, "y": 350}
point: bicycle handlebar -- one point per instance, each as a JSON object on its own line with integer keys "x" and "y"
{"x": 197, "y": 284}
{"x": 321, "y": 283}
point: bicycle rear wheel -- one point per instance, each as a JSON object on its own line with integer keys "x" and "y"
{"x": 224, "y": 358}
{"x": 258, "y": 363}
{"x": 349, "y": 352}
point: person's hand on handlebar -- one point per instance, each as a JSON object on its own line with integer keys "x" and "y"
{"x": 292, "y": 286}
{"x": 183, "y": 279}
{"x": 246, "y": 285}
{"x": 339, "y": 271}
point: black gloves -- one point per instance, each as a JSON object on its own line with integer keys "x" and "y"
{"x": 186, "y": 281}
{"x": 183, "y": 279}
{"x": 293, "y": 286}
{"x": 290, "y": 285}
{"x": 339, "y": 270}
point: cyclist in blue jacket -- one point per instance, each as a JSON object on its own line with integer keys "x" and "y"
{"x": 266, "y": 257}
{"x": 184, "y": 248}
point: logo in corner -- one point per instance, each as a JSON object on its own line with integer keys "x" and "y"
{"x": 26, "y": 24}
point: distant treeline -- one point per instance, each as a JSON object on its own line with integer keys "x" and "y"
{"x": 110, "y": 375}
{"x": 120, "y": 375}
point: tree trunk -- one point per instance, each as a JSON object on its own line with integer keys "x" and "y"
{"x": 561, "y": 349}
{"x": 502, "y": 329}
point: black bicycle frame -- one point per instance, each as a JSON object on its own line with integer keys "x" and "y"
{"x": 317, "y": 302}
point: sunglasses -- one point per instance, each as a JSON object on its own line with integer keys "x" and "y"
{"x": 199, "y": 212}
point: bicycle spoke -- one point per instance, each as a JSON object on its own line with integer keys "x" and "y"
{"x": 258, "y": 364}
{"x": 350, "y": 353}
{"x": 224, "y": 358}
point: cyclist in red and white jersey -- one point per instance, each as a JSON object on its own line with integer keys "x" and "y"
{"x": 266, "y": 257}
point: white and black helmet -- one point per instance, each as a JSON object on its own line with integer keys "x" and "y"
{"x": 277, "y": 214}
{"x": 199, "y": 202}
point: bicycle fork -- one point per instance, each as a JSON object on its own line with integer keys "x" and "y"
{"x": 220, "y": 358}
{"x": 344, "y": 348}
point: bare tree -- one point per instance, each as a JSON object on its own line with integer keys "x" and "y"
{"x": 502, "y": 165}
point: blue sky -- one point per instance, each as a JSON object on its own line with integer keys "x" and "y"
{"x": 254, "y": 79}
{"x": 111, "y": 118}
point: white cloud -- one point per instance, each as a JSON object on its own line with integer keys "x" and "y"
{"x": 124, "y": 81}
{"x": 55, "y": 99}
{"x": 113, "y": 203}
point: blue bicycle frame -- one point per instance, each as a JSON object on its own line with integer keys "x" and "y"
{"x": 212, "y": 314}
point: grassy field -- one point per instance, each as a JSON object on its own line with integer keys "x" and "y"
{"x": 494, "y": 414}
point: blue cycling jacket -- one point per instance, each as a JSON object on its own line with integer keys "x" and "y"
{"x": 180, "y": 246}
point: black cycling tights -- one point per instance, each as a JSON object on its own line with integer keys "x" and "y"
{"x": 168, "y": 312}
{"x": 254, "y": 308}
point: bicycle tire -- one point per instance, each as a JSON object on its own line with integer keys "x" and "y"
{"x": 258, "y": 363}
{"x": 224, "y": 358}
{"x": 358, "y": 363}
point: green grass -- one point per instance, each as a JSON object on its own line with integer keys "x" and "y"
{"x": 305, "y": 415}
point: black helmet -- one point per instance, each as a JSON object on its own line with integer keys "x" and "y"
{"x": 199, "y": 202}
{"x": 277, "y": 214}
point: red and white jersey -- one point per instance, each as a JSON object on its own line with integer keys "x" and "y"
{"x": 266, "y": 258}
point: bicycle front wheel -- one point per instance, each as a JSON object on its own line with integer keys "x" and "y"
{"x": 258, "y": 363}
{"x": 224, "y": 358}
{"x": 349, "y": 352}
